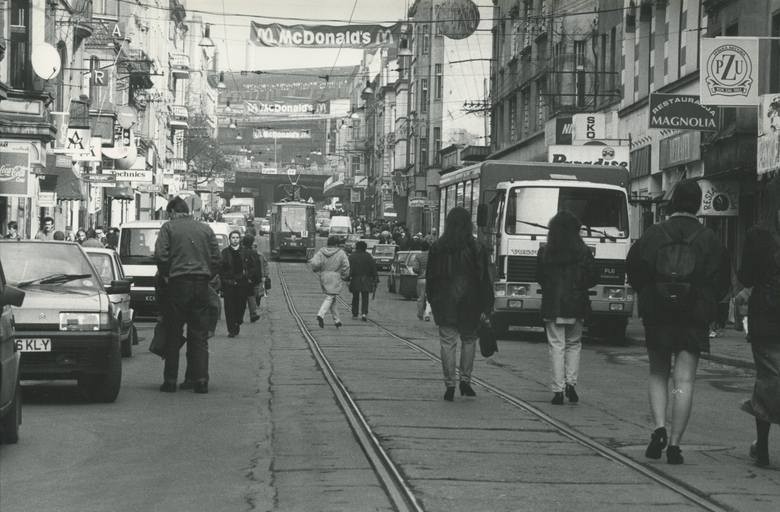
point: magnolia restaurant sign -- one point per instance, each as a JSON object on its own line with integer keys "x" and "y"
{"x": 14, "y": 169}
{"x": 682, "y": 112}
{"x": 719, "y": 198}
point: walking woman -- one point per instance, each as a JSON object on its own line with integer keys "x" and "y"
{"x": 459, "y": 290}
{"x": 237, "y": 274}
{"x": 332, "y": 265}
{"x": 363, "y": 278}
{"x": 566, "y": 269}
{"x": 761, "y": 269}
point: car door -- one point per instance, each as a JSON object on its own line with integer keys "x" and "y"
{"x": 9, "y": 359}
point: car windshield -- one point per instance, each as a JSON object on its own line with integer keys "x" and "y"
{"x": 137, "y": 242}
{"x": 603, "y": 211}
{"x": 384, "y": 250}
{"x": 54, "y": 264}
{"x": 103, "y": 265}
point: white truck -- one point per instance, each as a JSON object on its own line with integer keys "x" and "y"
{"x": 512, "y": 203}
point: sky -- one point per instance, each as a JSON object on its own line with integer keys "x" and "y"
{"x": 230, "y": 33}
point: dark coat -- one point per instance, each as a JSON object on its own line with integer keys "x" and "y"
{"x": 712, "y": 277}
{"x": 362, "y": 272}
{"x": 759, "y": 265}
{"x": 248, "y": 276}
{"x": 565, "y": 283}
{"x": 458, "y": 286}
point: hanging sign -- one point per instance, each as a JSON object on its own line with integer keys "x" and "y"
{"x": 77, "y": 140}
{"x": 729, "y": 71}
{"x": 768, "y": 154}
{"x": 134, "y": 175}
{"x": 682, "y": 112}
{"x": 322, "y": 36}
{"x": 14, "y": 169}
{"x": 589, "y": 128}
{"x": 719, "y": 198}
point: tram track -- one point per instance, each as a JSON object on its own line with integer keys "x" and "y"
{"x": 399, "y": 490}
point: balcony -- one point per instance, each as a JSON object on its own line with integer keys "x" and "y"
{"x": 179, "y": 117}
{"x": 82, "y": 21}
{"x": 180, "y": 64}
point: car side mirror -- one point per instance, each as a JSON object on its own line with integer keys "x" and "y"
{"x": 119, "y": 286}
{"x": 482, "y": 215}
{"x": 11, "y": 296}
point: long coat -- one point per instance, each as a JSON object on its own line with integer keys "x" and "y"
{"x": 362, "y": 272}
{"x": 565, "y": 283}
{"x": 458, "y": 285}
{"x": 332, "y": 264}
{"x": 761, "y": 266}
{"x": 247, "y": 277}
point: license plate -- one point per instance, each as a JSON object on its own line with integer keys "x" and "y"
{"x": 150, "y": 298}
{"x": 33, "y": 344}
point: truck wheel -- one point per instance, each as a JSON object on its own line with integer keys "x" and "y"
{"x": 9, "y": 426}
{"x": 104, "y": 387}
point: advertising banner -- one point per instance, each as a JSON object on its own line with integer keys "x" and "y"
{"x": 729, "y": 71}
{"x": 263, "y": 133}
{"x": 719, "y": 198}
{"x": 682, "y": 112}
{"x": 14, "y": 169}
{"x": 768, "y": 154}
{"x": 361, "y": 37}
{"x": 134, "y": 175}
{"x": 591, "y": 155}
{"x": 286, "y": 108}
{"x": 589, "y": 127}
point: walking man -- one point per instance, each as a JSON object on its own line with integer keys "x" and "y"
{"x": 681, "y": 271}
{"x": 187, "y": 257}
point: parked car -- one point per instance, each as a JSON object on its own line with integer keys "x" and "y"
{"x": 10, "y": 388}
{"x": 402, "y": 278}
{"x": 263, "y": 226}
{"x": 67, "y": 328}
{"x": 384, "y": 254}
{"x": 109, "y": 268}
{"x": 136, "y": 252}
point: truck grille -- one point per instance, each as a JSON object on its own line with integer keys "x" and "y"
{"x": 523, "y": 269}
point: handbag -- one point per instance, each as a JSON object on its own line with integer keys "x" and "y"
{"x": 157, "y": 346}
{"x": 267, "y": 283}
{"x": 487, "y": 338}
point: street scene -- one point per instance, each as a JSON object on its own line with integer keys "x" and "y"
{"x": 412, "y": 255}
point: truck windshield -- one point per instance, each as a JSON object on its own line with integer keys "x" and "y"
{"x": 603, "y": 211}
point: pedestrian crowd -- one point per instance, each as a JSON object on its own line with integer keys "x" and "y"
{"x": 90, "y": 237}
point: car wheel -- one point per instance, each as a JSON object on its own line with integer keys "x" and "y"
{"x": 9, "y": 425}
{"x": 134, "y": 334}
{"x": 104, "y": 387}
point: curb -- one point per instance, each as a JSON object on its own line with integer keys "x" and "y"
{"x": 732, "y": 361}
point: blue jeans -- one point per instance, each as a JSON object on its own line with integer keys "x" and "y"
{"x": 448, "y": 337}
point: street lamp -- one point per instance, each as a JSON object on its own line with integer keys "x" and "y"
{"x": 205, "y": 41}
{"x": 221, "y": 84}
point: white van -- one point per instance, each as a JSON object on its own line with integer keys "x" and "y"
{"x": 340, "y": 226}
{"x": 136, "y": 251}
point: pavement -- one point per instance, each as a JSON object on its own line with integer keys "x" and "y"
{"x": 729, "y": 347}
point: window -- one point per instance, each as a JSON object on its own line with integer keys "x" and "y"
{"x": 355, "y": 129}
{"x": 513, "y": 119}
{"x": 426, "y": 39}
{"x": 423, "y": 152}
{"x": 19, "y": 45}
{"x": 439, "y": 84}
{"x": 423, "y": 95}
{"x": 355, "y": 165}
{"x": 106, "y": 7}
{"x": 613, "y": 59}
{"x": 525, "y": 100}
{"x": 541, "y": 107}
{"x": 579, "y": 55}
{"x": 437, "y": 140}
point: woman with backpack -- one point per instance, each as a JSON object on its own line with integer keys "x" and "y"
{"x": 460, "y": 292}
{"x": 332, "y": 265}
{"x": 566, "y": 269}
{"x": 680, "y": 271}
{"x": 760, "y": 270}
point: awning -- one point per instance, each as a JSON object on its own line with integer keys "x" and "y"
{"x": 59, "y": 178}
{"x": 121, "y": 193}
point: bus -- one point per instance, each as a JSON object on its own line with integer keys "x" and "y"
{"x": 511, "y": 204}
{"x": 293, "y": 232}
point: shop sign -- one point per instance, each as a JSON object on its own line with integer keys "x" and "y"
{"x": 558, "y": 131}
{"x": 272, "y": 108}
{"x": 134, "y": 175}
{"x": 729, "y": 71}
{"x": 682, "y": 112}
{"x": 77, "y": 140}
{"x": 612, "y": 156}
{"x": 262, "y": 133}
{"x": 14, "y": 169}
{"x": 47, "y": 199}
{"x": 417, "y": 202}
{"x": 719, "y": 198}
{"x": 589, "y": 127}
{"x": 107, "y": 180}
{"x": 679, "y": 149}
{"x": 354, "y": 196}
{"x": 269, "y": 170}
{"x": 276, "y": 35}
{"x": 149, "y": 188}
{"x": 768, "y": 154}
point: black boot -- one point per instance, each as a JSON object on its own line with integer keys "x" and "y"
{"x": 449, "y": 395}
{"x": 466, "y": 389}
{"x": 557, "y": 398}
{"x": 674, "y": 455}
{"x": 571, "y": 394}
{"x": 657, "y": 444}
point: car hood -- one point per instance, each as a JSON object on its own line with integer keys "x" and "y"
{"x": 50, "y": 301}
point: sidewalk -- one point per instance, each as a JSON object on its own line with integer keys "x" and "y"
{"x": 728, "y": 348}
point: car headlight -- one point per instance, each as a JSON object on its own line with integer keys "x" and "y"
{"x": 499, "y": 289}
{"x": 517, "y": 290}
{"x": 75, "y": 321}
{"x": 615, "y": 293}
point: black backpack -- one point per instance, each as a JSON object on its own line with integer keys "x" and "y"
{"x": 675, "y": 267}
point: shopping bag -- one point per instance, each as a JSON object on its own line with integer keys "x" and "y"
{"x": 157, "y": 346}
{"x": 487, "y": 338}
